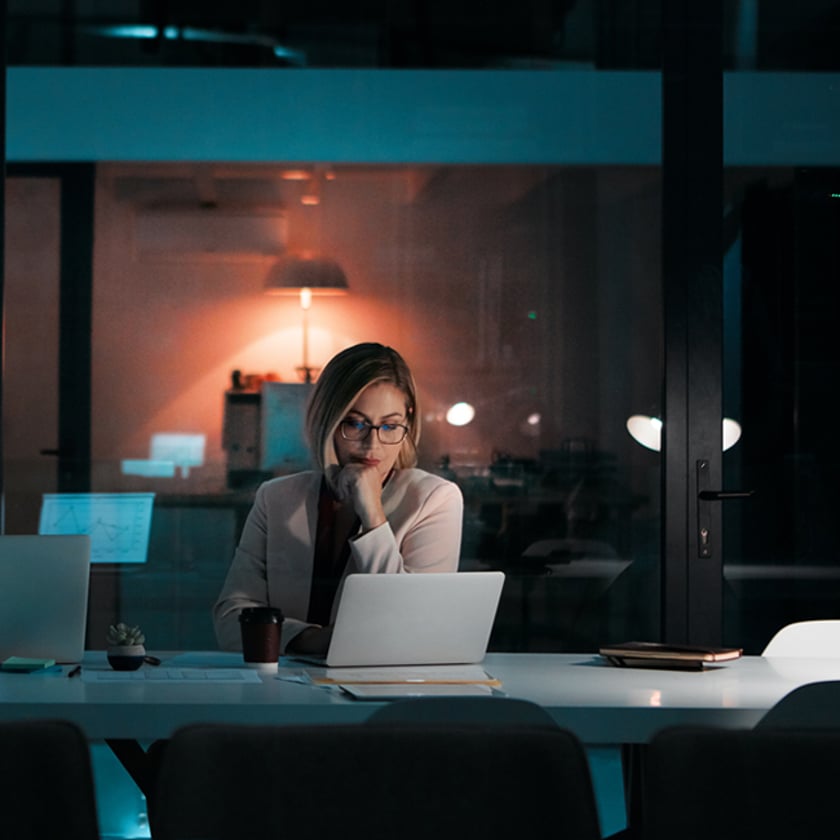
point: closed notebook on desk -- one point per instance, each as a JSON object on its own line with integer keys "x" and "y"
{"x": 661, "y": 655}
{"x": 413, "y": 619}
{"x": 44, "y": 584}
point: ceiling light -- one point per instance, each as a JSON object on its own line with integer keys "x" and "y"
{"x": 460, "y": 414}
{"x": 295, "y": 175}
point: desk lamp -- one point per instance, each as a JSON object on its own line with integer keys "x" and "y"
{"x": 306, "y": 276}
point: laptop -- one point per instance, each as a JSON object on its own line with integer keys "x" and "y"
{"x": 412, "y": 619}
{"x": 44, "y": 584}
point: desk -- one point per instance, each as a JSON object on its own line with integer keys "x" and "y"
{"x": 600, "y": 703}
{"x": 603, "y": 705}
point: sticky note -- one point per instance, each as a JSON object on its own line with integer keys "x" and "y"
{"x": 25, "y": 664}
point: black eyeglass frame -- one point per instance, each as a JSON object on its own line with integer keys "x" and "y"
{"x": 369, "y": 427}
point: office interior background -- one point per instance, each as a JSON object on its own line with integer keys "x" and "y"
{"x": 501, "y": 190}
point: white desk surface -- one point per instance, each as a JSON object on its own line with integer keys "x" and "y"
{"x": 601, "y": 703}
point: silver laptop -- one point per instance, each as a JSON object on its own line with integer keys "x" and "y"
{"x": 44, "y": 584}
{"x": 413, "y": 619}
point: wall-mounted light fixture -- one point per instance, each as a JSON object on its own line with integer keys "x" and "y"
{"x": 306, "y": 276}
{"x": 311, "y": 179}
{"x": 648, "y": 431}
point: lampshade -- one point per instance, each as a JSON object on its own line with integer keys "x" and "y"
{"x": 305, "y": 275}
{"x": 324, "y": 276}
{"x": 646, "y": 430}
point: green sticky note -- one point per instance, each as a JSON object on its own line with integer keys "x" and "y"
{"x": 25, "y": 664}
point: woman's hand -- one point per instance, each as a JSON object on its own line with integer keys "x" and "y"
{"x": 312, "y": 640}
{"x": 360, "y": 485}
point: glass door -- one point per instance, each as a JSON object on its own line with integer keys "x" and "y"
{"x": 780, "y": 307}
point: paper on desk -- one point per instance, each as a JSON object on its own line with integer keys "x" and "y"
{"x": 174, "y": 675}
{"x": 391, "y": 675}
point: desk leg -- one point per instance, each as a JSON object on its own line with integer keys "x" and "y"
{"x": 632, "y": 762}
{"x": 135, "y": 760}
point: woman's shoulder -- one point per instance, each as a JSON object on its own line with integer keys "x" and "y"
{"x": 293, "y": 483}
{"x": 422, "y": 481}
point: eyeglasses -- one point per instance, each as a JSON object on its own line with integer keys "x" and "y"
{"x": 388, "y": 433}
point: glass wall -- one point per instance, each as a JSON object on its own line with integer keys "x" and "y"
{"x": 522, "y": 281}
{"x": 529, "y": 292}
{"x": 525, "y": 284}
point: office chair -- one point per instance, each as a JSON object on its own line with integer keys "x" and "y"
{"x": 775, "y": 784}
{"x": 373, "y": 782}
{"x": 819, "y": 639}
{"x": 463, "y": 710}
{"x": 812, "y": 706}
{"x": 46, "y": 782}
{"x": 605, "y": 762}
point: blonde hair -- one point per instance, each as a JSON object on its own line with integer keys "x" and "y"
{"x": 338, "y": 387}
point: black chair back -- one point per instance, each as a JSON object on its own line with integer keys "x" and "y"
{"x": 46, "y": 782}
{"x": 465, "y": 709}
{"x": 412, "y": 781}
{"x": 811, "y": 706}
{"x": 717, "y": 784}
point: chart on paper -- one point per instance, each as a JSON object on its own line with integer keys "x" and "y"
{"x": 118, "y": 523}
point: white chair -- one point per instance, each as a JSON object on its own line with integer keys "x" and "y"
{"x": 806, "y": 639}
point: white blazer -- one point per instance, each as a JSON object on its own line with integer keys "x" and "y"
{"x": 273, "y": 563}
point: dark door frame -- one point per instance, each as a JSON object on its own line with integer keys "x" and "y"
{"x": 75, "y": 348}
{"x": 692, "y": 272}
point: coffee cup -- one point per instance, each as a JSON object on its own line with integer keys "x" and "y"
{"x": 260, "y": 628}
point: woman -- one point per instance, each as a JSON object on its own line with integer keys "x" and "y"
{"x": 364, "y": 509}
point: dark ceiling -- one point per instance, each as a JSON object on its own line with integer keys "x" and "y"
{"x": 458, "y": 34}
{"x": 314, "y": 33}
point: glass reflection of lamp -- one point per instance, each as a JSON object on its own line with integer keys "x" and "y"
{"x": 306, "y": 276}
{"x": 460, "y": 414}
{"x": 648, "y": 431}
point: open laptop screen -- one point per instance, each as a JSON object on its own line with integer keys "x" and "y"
{"x": 413, "y": 619}
{"x": 44, "y": 584}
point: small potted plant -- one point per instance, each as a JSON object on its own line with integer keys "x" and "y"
{"x": 126, "y": 648}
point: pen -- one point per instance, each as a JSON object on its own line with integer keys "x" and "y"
{"x": 74, "y": 672}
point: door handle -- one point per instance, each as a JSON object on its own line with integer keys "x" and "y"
{"x": 60, "y": 452}
{"x": 723, "y": 495}
{"x": 704, "y": 514}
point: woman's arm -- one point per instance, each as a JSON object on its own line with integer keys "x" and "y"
{"x": 425, "y": 539}
{"x": 246, "y": 584}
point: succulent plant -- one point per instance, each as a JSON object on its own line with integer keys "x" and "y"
{"x": 121, "y": 635}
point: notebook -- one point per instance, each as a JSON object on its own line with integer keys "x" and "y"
{"x": 413, "y": 619}
{"x": 44, "y": 583}
{"x": 661, "y": 655}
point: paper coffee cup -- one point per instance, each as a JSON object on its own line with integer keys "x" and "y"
{"x": 260, "y": 629}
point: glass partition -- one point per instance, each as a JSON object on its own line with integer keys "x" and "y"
{"x": 509, "y": 248}
{"x": 530, "y": 293}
